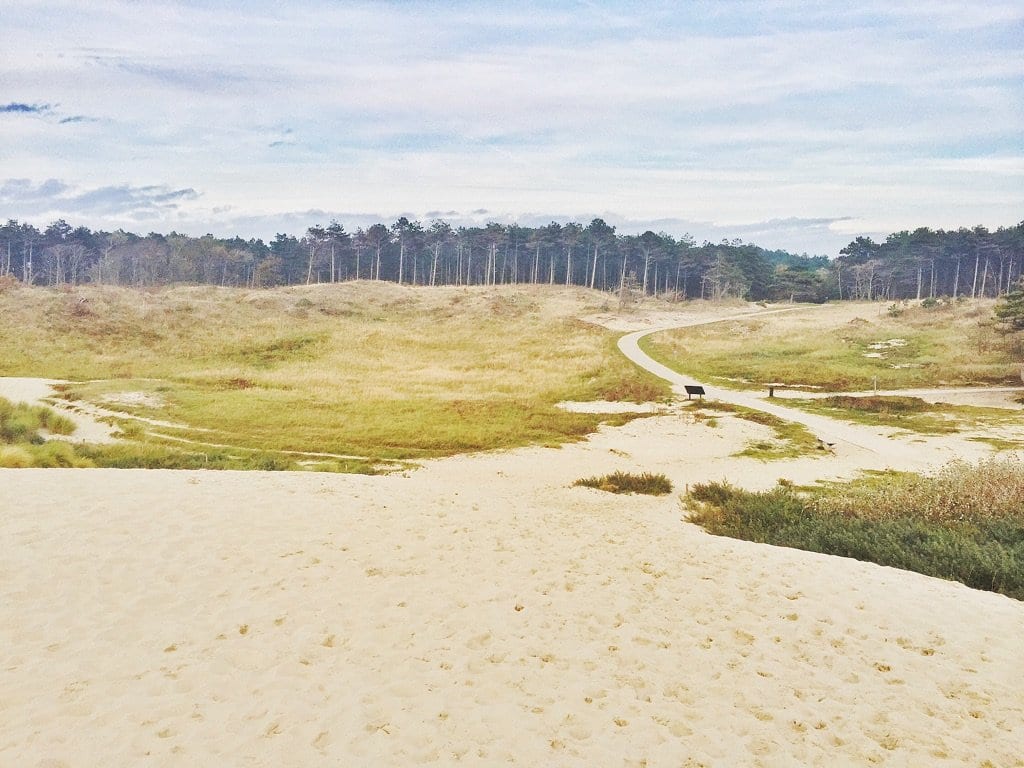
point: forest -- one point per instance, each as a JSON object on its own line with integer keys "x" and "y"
{"x": 922, "y": 264}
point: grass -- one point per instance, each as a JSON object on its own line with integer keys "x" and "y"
{"x": 375, "y": 371}
{"x": 23, "y": 443}
{"x": 23, "y": 437}
{"x": 791, "y": 440}
{"x": 22, "y": 423}
{"x": 626, "y": 482}
{"x": 909, "y": 413}
{"x": 820, "y": 348}
{"x": 964, "y": 523}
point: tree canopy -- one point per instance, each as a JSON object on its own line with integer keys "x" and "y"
{"x": 921, "y": 264}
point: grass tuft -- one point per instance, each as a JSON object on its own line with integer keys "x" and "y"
{"x": 626, "y": 482}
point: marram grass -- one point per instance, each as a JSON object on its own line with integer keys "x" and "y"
{"x": 376, "y": 372}
{"x": 964, "y": 522}
{"x": 626, "y": 482}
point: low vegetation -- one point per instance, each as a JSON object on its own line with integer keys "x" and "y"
{"x": 855, "y": 349}
{"x": 25, "y": 429}
{"x": 910, "y": 413}
{"x": 626, "y": 482}
{"x": 789, "y": 441}
{"x": 21, "y": 423}
{"x": 964, "y": 523}
{"x": 373, "y": 373}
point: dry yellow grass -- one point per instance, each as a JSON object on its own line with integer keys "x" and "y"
{"x": 951, "y": 344}
{"x": 367, "y": 369}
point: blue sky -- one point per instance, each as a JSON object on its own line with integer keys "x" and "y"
{"x": 790, "y": 124}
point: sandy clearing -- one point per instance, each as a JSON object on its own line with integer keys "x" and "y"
{"x": 480, "y": 610}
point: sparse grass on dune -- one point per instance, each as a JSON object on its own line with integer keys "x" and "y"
{"x": 373, "y": 370}
{"x": 826, "y": 347}
{"x": 22, "y": 423}
{"x": 790, "y": 440}
{"x": 909, "y": 413}
{"x": 23, "y": 432}
{"x": 651, "y": 484}
{"x": 965, "y": 522}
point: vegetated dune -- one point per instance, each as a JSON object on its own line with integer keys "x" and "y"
{"x": 482, "y": 610}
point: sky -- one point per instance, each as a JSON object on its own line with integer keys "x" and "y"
{"x": 794, "y": 125}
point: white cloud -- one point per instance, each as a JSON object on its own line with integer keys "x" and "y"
{"x": 738, "y": 112}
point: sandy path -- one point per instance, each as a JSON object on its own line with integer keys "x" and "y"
{"x": 892, "y": 449}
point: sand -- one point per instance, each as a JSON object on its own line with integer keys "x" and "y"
{"x": 479, "y": 611}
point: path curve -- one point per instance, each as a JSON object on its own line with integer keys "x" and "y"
{"x": 891, "y": 451}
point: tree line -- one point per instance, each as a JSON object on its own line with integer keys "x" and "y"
{"x": 920, "y": 264}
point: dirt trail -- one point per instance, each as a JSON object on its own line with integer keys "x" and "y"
{"x": 889, "y": 446}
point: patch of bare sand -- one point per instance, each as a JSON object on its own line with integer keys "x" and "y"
{"x": 480, "y": 610}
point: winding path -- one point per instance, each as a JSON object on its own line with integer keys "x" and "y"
{"x": 892, "y": 451}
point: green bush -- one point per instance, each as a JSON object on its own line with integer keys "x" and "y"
{"x": 965, "y": 523}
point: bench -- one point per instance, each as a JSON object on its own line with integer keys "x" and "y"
{"x": 693, "y": 389}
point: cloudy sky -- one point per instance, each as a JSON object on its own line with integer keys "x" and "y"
{"x": 790, "y": 124}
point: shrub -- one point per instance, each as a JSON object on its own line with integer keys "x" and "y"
{"x": 625, "y": 482}
{"x": 964, "y": 523}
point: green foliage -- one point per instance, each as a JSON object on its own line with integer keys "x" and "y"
{"x": 625, "y": 482}
{"x": 22, "y": 423}
{"x": 964, "y": 523}
{"x": 1010, "y": 309}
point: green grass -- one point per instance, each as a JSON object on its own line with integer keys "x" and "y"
{"x": 22, "y": 423}
{"x": 790, "y": 441}
{"x": 626, "y": 482}
{"x": 370, "y": 370}
{"x": 964, "y": 523}
{"x": 826, "y": 348}
{"x": 909, "y": 413}
{"x": 23, "y": 437}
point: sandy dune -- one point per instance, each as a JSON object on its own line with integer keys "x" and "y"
{"x": 480, "y": 611}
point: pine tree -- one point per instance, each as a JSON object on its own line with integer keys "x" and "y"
{"x": 1010, "y": 309}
